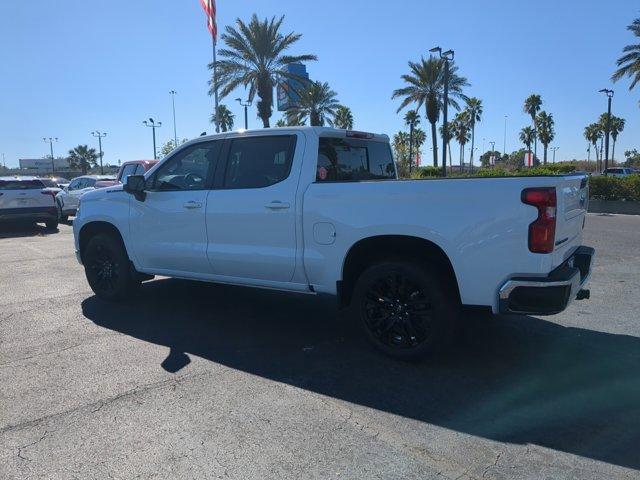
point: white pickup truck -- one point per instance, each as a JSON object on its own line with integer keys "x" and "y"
{"x": 319, "y": 211}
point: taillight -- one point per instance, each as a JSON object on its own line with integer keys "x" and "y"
{"x": 542, "y": 232}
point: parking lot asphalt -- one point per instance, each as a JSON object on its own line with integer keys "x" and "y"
{"x": 193, "y": 380}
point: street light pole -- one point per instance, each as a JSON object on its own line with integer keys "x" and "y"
{"x": 447, "y": 57}
{"x": 100, "y": 136}
{"x": 609, "y": 94}
{"x": 173, "y": 104}
{"x": 246, "y": 115}
{"x": 553, "y": 149}
{"x": 504, "y": 145}
{"x": 153, "y": 125}
{"x": 50, "y": 141}
{"x": 493, "y": 150}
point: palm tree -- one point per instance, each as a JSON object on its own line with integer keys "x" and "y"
{"x": 419, "y": 137}
{"x": 255, "y": 58}
{"x": 629, "y": 63}
{"x": 527, "y": 136}
{"x": 317, "y": 103}
{"x": 401, "y": 153}
{"x": 82, "y": 157}
{"x": 411, "y": 118}
{"x": 532, "y": 105}
{"x": 474, "y": 113}
{"x": 451, "y": 133}
{"x": 546, "y": 132}
{"x": 593, "y": 133}
{"x": 343, "y": 118}
{"x": 617, "y": 126}
{"x": 425, "y": 86}
{"x": 461, "y": 127}
{"x": 225, "y": 118}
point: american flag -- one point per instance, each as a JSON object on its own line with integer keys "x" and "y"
{"x": 209, "y": 7}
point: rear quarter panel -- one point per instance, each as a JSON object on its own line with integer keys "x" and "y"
{"x": 481, "y": 225}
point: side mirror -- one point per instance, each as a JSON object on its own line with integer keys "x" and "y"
{"x": 135, "y": 185}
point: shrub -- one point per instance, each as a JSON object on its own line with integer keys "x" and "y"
{"x": 615, "y": 188}
{"x": 427, "y": 172}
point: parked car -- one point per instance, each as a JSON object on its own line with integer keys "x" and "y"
{"x": 320, "y": 211}
{"x": 67, "y": 200}
{"x": 28, "y": 199}
{"x": 619, "y": 172}
{"x": 60, "y": 182}
{"x": 131, "y": 167}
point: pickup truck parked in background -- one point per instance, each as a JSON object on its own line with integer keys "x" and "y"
{"x": 131, "y": 167}
{"x": 319, "y": 211}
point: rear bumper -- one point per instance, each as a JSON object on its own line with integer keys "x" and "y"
{"x": 551, "y": 294}
{"x": 35, "y": 214}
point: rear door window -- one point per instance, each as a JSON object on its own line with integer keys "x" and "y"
{"x": 257, "y": 162}
{"x": 353, "y": 160}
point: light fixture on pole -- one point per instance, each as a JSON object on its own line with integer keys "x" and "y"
{"x": 446, "y": 57}
{"x": 607, "y": 128}
{"x": 246, "y": 116}
{"x": 173, "y": 104}
{"x": 50, "y": 141}
{"x": 100, "y": 136}
{"x": 153, "y": 125}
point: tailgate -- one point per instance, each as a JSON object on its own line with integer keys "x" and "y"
{"x": 573, "y": 196}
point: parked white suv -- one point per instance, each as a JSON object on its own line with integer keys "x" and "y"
{"x": 319, "y": 211}
{"x": 68, "y": 199}
{"x": 28, "y": 199}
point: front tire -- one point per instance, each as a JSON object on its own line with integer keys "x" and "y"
{"x": 108, "y": 269}
{"x": 404, "y": 309}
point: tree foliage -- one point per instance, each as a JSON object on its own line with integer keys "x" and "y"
{"x": 317, "y": 105}
{"x": 225, "y": 118}
{"x": 424, "y": 86}
{"x": 255, "y": 57}
{"x": 343, "y": 118}
{"x": 629, "y": 63}
{"x": 83, "y": 158}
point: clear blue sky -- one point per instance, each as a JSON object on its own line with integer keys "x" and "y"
{"x": 71, "y": 66}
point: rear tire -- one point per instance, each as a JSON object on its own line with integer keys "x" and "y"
{"x": 51, "y": 225}
{"x": 404, "y": 309}
{"x": 108, "y": 268}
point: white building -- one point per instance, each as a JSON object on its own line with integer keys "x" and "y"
{"x": 42, "y": 166}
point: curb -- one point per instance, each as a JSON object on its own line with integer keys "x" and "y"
{"x": 614, "y": 206}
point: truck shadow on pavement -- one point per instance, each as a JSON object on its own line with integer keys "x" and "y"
{"x": 16, "y": 230}
{"x": 512, "y": 379}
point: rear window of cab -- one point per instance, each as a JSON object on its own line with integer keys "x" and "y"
{"x": 353, "y": 160}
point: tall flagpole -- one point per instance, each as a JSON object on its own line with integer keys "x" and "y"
{"x": 215, "y": 85}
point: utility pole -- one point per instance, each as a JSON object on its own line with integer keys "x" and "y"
{"x": 446, "y": 57}
{"x": 246, "y": 115}
{"x": 50, "y": 141}
{"x": 609, "y": 94}
{"x": 173, "y": 103}
{"x": 100, "y": 136}
{"x": 153, "y": 125}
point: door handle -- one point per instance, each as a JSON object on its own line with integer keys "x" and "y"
{"x": 277, "y": 205}
{"x": 192, "y": 204}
